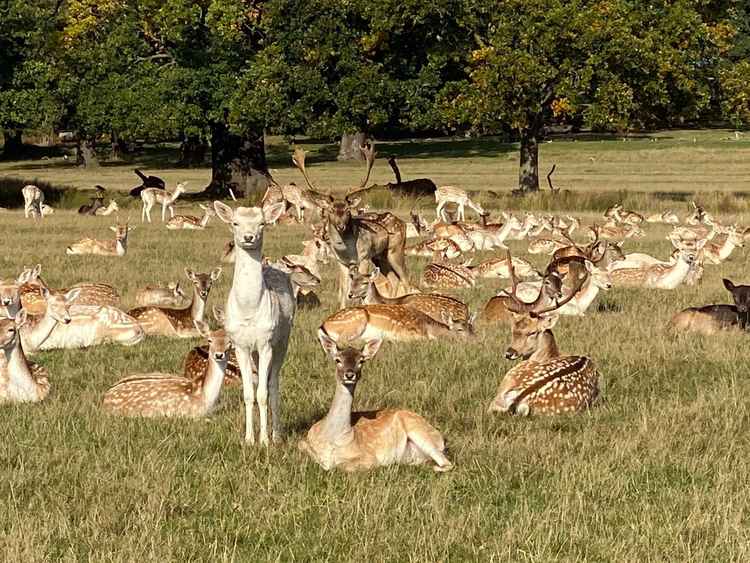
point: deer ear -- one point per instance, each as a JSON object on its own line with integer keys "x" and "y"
{"x": 223, "y": 211}
{"x": 548, "y": 322}
{"x": 113, "y": 229}
{"x": 589, "y": 267}
{"x": 21, "y": 318}
{"x": 728, "y": 284}
{"x": 202, "y": 327}
{"x": 328, "y": 344}
{"x": 72, "y": 295}
{"x": 371, "y": 348}
{"x": 215, "y": 273}
{"x": 190, "y": 274}
{"x": 272, "y": 213}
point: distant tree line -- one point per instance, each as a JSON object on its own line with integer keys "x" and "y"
{"x": 219, "y": 74}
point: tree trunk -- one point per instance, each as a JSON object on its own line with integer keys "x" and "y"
{"x": 87, "y": 154}
{"x": 237, "y": 162}
{"x": 528, "y": 175}
{"x": 351, "y": 143}
{"x": 13, "y": 147}
{"x": 192, "y": 151}
{"x": 116, "y": 149}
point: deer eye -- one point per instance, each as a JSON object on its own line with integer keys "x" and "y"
{"x": 235, "y": 224}
{"x": 338, "y": 362}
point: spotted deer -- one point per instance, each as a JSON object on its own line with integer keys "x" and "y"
{"x": 668, "y": 217}
{"x": 33, "y": 199}
{"x": 451, "y": 194}
{"x": 191, "y": 222}
{"x": 10, "y": 294}
{"x": 37, "y": 328}
{"x": 659, "y": 276}
{"x": 437, "y": 307}
{"x": 196, "y": 361}
{"x": 179, "y": 323}
{"x": 545, "y": 382}
{"x": 171, "y": 297}
{"x": 20, "y": 380}
{"x": 152, "y": 196}
{"x": 167, "y": 395}
{"x": 358, "y": 441}
{"x": 711, "y": 319}
{"x": 99, "y": 294}
{"x": 715, "y": 252}
{"x": 499, "y": 267}
{"x": 444, "y": 275}
{"x": 399, "y": 323}
{"x": 439, "y": 249}
{"x": 117, "y": 247}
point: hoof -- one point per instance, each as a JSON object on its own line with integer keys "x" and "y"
{"x": 443, "y": 468}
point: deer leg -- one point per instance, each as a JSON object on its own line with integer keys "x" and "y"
{"x": 422, "y": 440}
{"x": 265, "y": 357}
{"x": 245, "y": 361}
{"x": 274, "y": 392}
{"x": 163, "y": 211}
{"x": 344, "y": 284}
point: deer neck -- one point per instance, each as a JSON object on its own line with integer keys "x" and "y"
{"x": 197, "y": 306}
{"x": 19, "y": 372}
{"x": 344, "y": 243}
{"x": 38, "y": 329}
{"x": 674, "y": 275}
{"x": 503, "y": 233}
{"x": 726, "y": 249}
{"x": 338, "y": 422}
{"x": 213, "y": 379}
{"x": 248, "y": 285}
{"x": 374, "y": 297}
{"x": 547, "y": 348}
{"x": 587, "y": 294}
{"x": 121, "y": 246}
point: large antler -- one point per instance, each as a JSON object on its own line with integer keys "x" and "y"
{"x": 559, "y": 304}
{"x": 515, "y": 305}
{"x": 299, "y": 161}
{"x": 368, "y": 151}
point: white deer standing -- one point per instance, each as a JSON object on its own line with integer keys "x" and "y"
{"x": 259, "y": 315}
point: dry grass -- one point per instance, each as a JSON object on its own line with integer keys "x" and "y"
{"x": 655, "y": 472}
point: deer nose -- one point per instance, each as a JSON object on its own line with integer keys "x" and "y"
{"x": 219, "y": 355}
{"x": 6, "y": 301}
{"x": 250, "y": 238}
{"x": 350, "y": 377}
{"x": 511, "y": 354}
{"x": 66, "y": 320}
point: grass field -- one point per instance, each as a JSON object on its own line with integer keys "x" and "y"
{"x": 656, "y": 472}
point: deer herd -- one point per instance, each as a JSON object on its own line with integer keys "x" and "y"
{"x": 377, "y": 302}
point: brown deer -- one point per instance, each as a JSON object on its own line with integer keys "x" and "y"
{"x": 158, "y": 394}
{"x": 180, "y": 323}
{"x": 171, "y": 297}
{"x": 545, "y": 382}
{"x": 711, "y": 319}
{"x": 419, "y": 187}
{"x": 357, "y": 241}
{"x": 356, "y": 441}
{"x": 98, "y": 294}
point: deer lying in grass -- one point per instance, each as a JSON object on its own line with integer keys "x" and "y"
{"x": 20, "y": 380}
{"x": 191, "y": 222}
{"x": 111, "y": 208}
{"x": 99, "y": 294}
{"x": 158, "y": 394}
{"x": 668, "y": 217}
{"x": 37, "y": 328}
{"x": 660, "y": 276}
{"x": 33, "y": 199}
{"x": 356, "y": 441}
{"x": 152, "y": 196}
{"x": 439, "y": 249}
{"x": 445, "y": 275}
{"x": 545, "y": 382}
{"x": 711, "y": 319}
{"x": 716, "y": 250}
{"x": 437, "y": 307}
{"x": 117, "y": 247}
{"x": 171, "y": 297}
{"x": 10, "y": 294}
{"x": 180, "y": 323}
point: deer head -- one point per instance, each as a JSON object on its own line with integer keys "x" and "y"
{"x": 740, "y": 294}
{"x": 349, "y": 361}
{"x": 203, "y": 282}
{"x": 527, "y": 334}
{"x": 247, "y": 223}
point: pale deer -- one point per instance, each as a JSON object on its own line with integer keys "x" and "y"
{"x": 47, "y": 210}
{"x": 499, "y": 267}
{"x": 439, "y": 249}
{"x": 33, "y": 199}
{"x": 180, "y": 323}
{"x": 10, "y": 294}
{"x": 38, "y": 328}
{"x": 659, "y": 276}
{"x": 117, "y": 247}
{"x": 168, "y": 395}
{"x": 259, "y": 316}
{"x": 452, "y": 194}
{"x": 716, "y": 251}
{"x": 33, "y": 301}
{"x": 711, "y": 319}
{"x": 171, "y": 297}
{"x": 611, "y": 231}
{"x": 668, "y": 217}
{"x": 20, "y": 380}
{"x": 436, "y": 306}
{"x": 546, "y": 382}
{"x": 152, "y": 196}
{"x": 302, "y": 199}
{"x": 377, "y": 238}
{"x": 357, "y": 441}
{"x": 399, "y": 323}
{"x": 545, "y": 245}
{"x": 109, "y": 209}
{"x": 191, "y": 222}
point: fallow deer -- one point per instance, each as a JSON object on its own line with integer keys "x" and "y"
{"x": 158, "y": 394}
{"x": 92, "y": 207}
{"x": 439, "y": 249}
{"x": 196, "y": 361}
{"x": 152, "y": 196}
{"x": 452, "y": 194}
{"x": 668, "y": 217}
{"x": 111, "y": 208}
{"x": 117, "y": 247}
{"x": 399, "y": 323}
{"x": 33, "y": 199}
{"x": 100, "y": 294}
{"x": 10, "y": 294}
{"x": 659, "y": 276}
{"x": 712, "y": 319}
{"x": 357, "y": 441}
{"x": 38, "y": 328}
{"x": 191, "y": 222}
{"x": 545, "y": 382}
{"x": 417, "y": 187}
{"x": 499, "y": 267}
{"x": 545, "y": 245}
{"x": 20, "y": 380}
{"x": 436, "y": 306}
{"x": 259, "y": 315}
{"x": 180, "y": 323}
{"x": 171, "y": 297}
{"x": 445, "y": 275}
{"x": 716, "y": 251}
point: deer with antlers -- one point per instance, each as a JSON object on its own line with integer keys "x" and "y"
{"x": 356, "y": 441}
{"x": 357, "y": 241}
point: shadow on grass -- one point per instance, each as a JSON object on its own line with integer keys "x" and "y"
{"x": 56, "y": 195}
